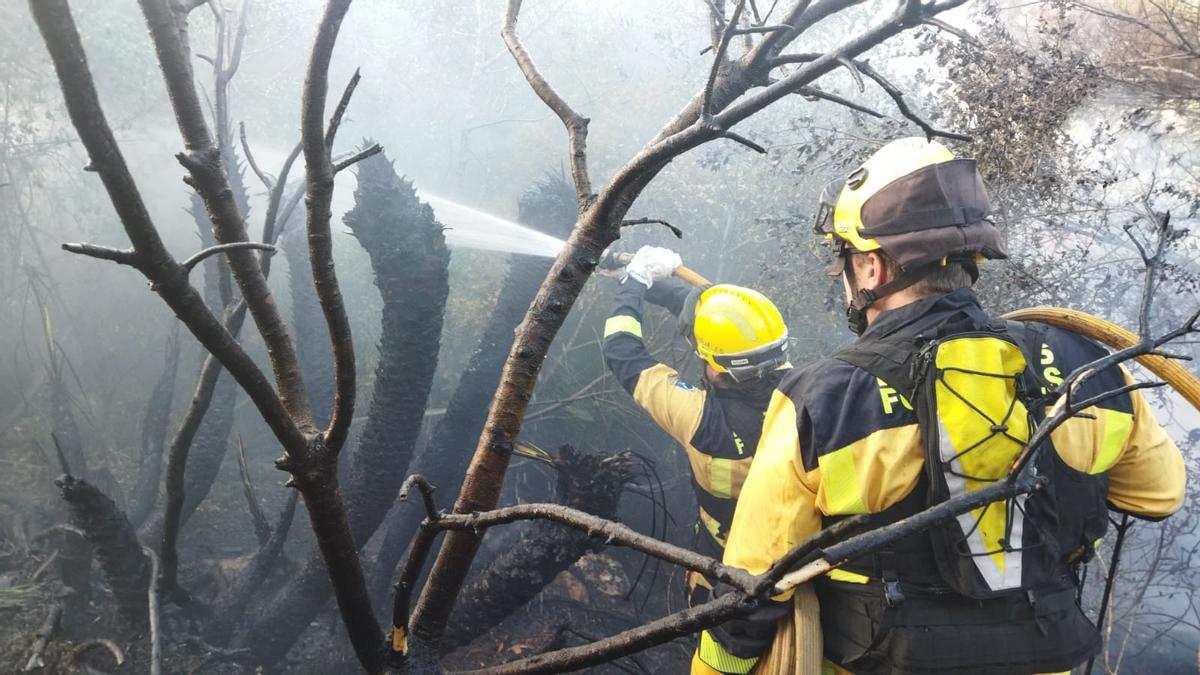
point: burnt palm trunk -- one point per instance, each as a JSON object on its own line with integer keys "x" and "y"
{"x": 123, "y": 565}
{"x": 410, "y": 260}
{"x": 550, "y": 207}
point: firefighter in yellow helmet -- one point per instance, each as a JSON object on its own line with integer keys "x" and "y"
{"x": 742, "y": 340}
{"x": 935, "y": 399}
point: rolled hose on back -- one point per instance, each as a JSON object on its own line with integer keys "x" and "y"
{"x": 1114, "y": 337}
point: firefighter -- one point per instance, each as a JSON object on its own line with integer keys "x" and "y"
{"x": 741, "y": 339}
{"x": 936, "y": 398}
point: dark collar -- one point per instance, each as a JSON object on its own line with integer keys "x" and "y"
{"x": 929, "y": 311}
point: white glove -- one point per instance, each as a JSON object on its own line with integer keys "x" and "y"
{"x": 653, "y": 263}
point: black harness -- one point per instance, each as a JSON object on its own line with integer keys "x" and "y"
{"x": 921, "y": 612}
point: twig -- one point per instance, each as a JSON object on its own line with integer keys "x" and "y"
{"x": 199, "y": 257}
{"x": 152, "y": 596}
{"x": 752, "y": 30}
{"x": 122, "y": 256}
{"x": 262, "y": 529}
{"x": 63, "y": 464}
{"x": 59, "y": 529}
{"x": 598, "y": 528}
{"x": 267, "y": 181}
{"x": 358, "y": 157}
{"x": 956, "y": 32}
{"x": 418, "y": 481}
{"x": 576, "y": 124}
{"x": 43, "y": 635}
{"x": 849, "y": 65}
{"x": 647, "y": 221}
{"x": 37, "y": 574}
{"x": 335, "y": 120}
{"x": 902, "y": 105}
{"x": 82, "y": 648}
{"x": 814, "y": 93}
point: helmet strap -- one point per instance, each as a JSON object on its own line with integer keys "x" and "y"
{"x": 856, "y": 313}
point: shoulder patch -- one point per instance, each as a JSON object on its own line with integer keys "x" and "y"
{"x": 684, "y": 385}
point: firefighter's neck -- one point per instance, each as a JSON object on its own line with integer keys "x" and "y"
{"x": 870, "y": 271}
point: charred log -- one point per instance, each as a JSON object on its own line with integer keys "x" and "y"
{"x": 591, "y": 483}
{"x": 154, "y": 435}
{"x": 123, "y": 565}
{"x": 550, "y": 207}
{"x": 410, "y": 260}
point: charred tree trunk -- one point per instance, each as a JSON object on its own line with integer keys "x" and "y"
{"x": 123, "y": 565}
{"x": 589, "y": 483}
{"x": 154, "y": 436}
{"x": 409, "y": 257}
{"x": 550, "y": 207}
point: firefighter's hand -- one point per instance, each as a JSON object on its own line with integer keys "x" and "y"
{"x": 653, "y": 263}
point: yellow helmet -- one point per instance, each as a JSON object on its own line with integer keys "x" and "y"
{"x": 914, "y": 201}
{"x": 737, "y": 330}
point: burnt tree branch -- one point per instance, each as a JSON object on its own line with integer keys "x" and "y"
{"x": 199, "y": 256}
{"x": 576, "y": 124}
{"x": 316, "y": 142}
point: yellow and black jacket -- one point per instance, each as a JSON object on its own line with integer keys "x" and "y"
{"x": 839, "y": 441}
{"x": 717, "y": 427}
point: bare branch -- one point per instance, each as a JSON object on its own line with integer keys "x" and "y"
{"x": 849, "y": 65}
{"x": 599, "y": 528}
{"x": 418, "y": 481}
{"x": 647, "y": 221}
{"x": 314, "y": 139}
{"x": 953, "y": 30}
{"x": 121, "y": 256}
{"x": 753, "y": 30}
{"x": 199, "y": 257}
{"x": 358, "y": 157}
{"x": 71, "y": 661}
{"x": 43, "y": 635}
{"x": 719, "y": 61}
{"x": 576, "y": 124}
{"x": 262, "y": 529}
{"x": 902, "y": 106}
{"x": 813, "y": 93}
{"x": 267, "y": 181}
{"x": 152, "y": 604}
{"x": 335, "y": 120}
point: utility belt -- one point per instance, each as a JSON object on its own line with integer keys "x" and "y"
{"x": 884, "y": 625}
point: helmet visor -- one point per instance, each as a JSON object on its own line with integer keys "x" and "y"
{"x": 829, "y": 195}
{"x": 752, "y": 365}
